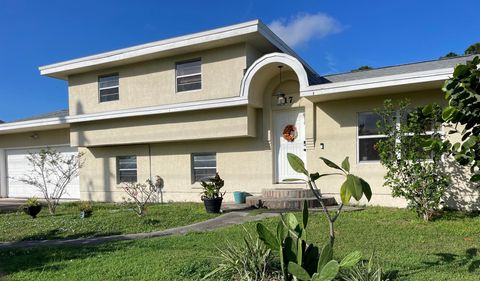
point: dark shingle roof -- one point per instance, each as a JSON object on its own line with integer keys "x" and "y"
{"x": 59, "y": 114}
{"x": 396, "y": 69}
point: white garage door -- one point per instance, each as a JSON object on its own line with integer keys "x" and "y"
{"x": 18, "y": 166}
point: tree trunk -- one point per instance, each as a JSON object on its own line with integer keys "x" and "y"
{"x": 332, "y": 233}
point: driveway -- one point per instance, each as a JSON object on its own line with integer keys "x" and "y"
{"x": 10, "y": 204}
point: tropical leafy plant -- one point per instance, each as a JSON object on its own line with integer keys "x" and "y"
{"x": 414, "y": 173}
{"x": 353, "y": 186}
{"x": 211, "y": 187}
{"x": 250, "y": 261}
{"x": 86, "y": 210}
{"x": 298, "y": 259}
{"x": 32, "y": 202}
{"x": 462, "y": 92}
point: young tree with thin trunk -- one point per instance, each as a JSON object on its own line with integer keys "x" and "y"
{"x": 51, "y": 172}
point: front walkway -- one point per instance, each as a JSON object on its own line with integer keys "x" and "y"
{"x": 227, "y": 219}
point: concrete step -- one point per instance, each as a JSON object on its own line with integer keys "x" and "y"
{"x": 287, "y": 203}
{"x": 287, "y": 193}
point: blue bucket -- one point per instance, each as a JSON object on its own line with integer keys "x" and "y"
{"x": 239, "y": 197}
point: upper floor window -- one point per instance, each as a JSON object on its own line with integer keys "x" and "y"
{"x": 368, "y": 136}
{"x": 127, "y": 168}
{"x": 189, "y": 75}
{"x": 108, "y": 87}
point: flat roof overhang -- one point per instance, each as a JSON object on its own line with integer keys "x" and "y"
{"x": 415, "y": 81}
{"x": 253, "y": 32}
{"x": 34, "y": 125}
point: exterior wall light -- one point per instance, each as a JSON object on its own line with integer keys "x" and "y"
{"x": 281, "y": 99}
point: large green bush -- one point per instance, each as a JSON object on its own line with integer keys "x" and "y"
{"x": 413, "y": 173}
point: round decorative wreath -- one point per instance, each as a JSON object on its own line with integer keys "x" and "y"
{"x": 290, "y": 133}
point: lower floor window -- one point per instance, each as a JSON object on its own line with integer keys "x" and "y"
{"x": 368, "y": 136}
{"x": 366, "y": 149}
{"x": 204, "y": 166}
{"x": 127, "y": 168}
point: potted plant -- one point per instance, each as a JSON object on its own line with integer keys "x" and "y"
{"x": 86, "y": 210}
{"x": 32, "y": 207}
{"x": 211, "y": 195}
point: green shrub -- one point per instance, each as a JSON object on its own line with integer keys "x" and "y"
{"x": 249, "y": 261}
{"x": 419, "y": 175}
{"x": 364, "y": 271}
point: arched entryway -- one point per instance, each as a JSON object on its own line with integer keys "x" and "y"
{"x": 284, "y": 111}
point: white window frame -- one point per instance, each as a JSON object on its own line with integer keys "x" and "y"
{"x": 365, "y": 137}
{"x": 106, "y": 88}
{"x": 397, "y": 125}
{"x": 188, "y": 75}
{"x": 119, "y": 180}
{"x": 194, "y": 180}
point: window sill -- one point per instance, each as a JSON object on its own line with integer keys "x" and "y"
{"x": 190, "y": 91}
{"x": 368, "y": 162}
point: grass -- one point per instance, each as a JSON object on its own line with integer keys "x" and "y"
{"x": 406, "y": 247}
{"x": 107, "y": 219}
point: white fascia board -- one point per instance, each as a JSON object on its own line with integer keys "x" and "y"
{"x": 34, "y": 124}
{"x": 378, "y": 82}
{"x": 161, "y": 109}
{"x": 154, "y": 47}
{"x": 282, "y": 46}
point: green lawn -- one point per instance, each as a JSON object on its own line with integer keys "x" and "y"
{"x": 407, "y": 247}
{"x": 107, "y": 219}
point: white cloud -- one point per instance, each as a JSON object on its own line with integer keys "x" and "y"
{"x": 305, "y": 27}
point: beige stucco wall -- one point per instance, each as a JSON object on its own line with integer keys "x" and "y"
{"x": 203, "y": 124}
{"x": 336, "y": 128}
{"x": 244, "y": 163}
{"x": 153, "y": 82}
{"x": 35, "y": 139}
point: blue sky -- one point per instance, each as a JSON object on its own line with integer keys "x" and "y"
{"x": 336, "y": 36}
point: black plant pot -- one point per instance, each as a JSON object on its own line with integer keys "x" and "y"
{"x": 32, "y": 210}
{"x": 212, "y": 205}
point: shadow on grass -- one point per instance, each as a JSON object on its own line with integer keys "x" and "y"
{"x": 452, "y": 215}
{"x": 54, "y": 234}
{"x": 470, "y": 261}
{"x": 50, "y": 258}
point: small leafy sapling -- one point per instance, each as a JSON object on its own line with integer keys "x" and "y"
{"x": 51, "y": 173}
{"x": 353, "y": 186}
{"x": 300, "y": 260}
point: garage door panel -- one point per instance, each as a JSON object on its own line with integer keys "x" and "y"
{"x": 18, "y": 166}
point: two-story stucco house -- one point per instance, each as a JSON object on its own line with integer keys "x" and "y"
{"x": 219, "y": 100}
